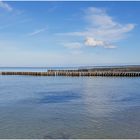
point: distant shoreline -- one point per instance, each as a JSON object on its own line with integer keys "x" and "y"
{"x": 96, "y": 67}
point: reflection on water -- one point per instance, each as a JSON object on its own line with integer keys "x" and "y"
{"x": 56, "y": 97}
{"x": 69, "y": 107}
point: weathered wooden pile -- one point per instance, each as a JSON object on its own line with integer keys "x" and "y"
{"x": 75, "y": 73}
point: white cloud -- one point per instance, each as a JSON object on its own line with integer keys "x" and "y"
{"x": 89, "y": 41}
{"x": 104, "y": 27}
{"x": 93, "y": 42}
{"x": 37, "y": 31}
{"x": 99, "y": 17}
{"x": 101, "y": 29}
{"x": 5, "y": 6}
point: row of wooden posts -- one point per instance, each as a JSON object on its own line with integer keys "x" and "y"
{"x": 74, "y": 73}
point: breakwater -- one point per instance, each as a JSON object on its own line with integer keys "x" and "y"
{"x": 75, "y": 73}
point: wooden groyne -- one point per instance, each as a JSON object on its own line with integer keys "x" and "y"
{"x": 75, "y": 73}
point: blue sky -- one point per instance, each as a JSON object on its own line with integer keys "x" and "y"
{"x": 69, "y": 33}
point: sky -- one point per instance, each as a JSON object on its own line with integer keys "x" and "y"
{"x": 69, "y": 33}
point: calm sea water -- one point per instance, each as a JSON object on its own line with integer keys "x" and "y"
{"x": 69, "y": 107}
{"x": 29, "y": 69}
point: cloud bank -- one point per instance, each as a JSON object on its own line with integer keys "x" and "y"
{"x": 104, "y": 27}
{"x": 101, "y": 30}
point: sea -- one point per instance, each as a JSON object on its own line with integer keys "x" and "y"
{"x": 41, "y": 107}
